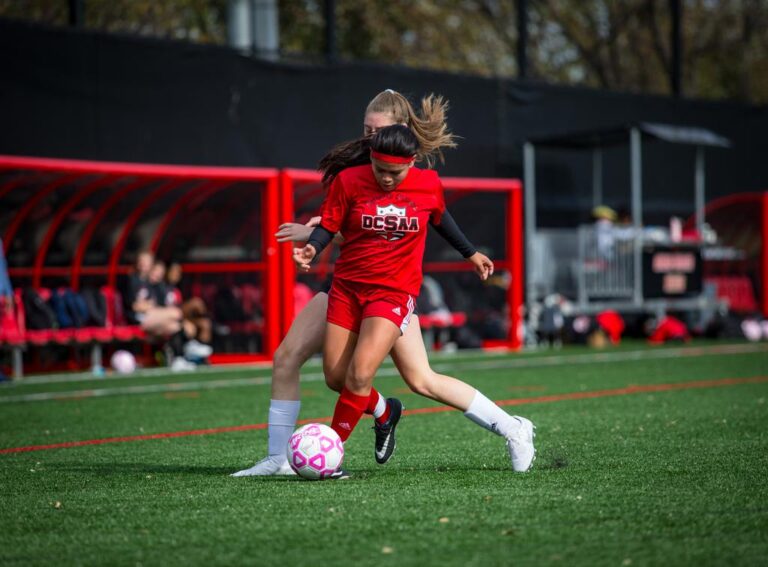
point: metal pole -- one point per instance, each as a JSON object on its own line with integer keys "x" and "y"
{"x": 77, "y": 13}
{"x": 699, "y": 187}
{"x": 266, "y": 31}
{"x": 239, "y": 25}
{"x": 676, "y": 40}
{"x": 637, "y": 211}
{"x": 529, "y": 178}
{"x": 97, "y": 364}
{"x": 331, "y": 49}
{"x": 597, "y": 177}
{"x": 18, "y": 363}
{"x": 522, "y": 39}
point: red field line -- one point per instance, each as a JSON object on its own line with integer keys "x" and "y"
{"x": 635, "y": 389}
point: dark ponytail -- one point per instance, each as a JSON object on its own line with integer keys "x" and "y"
{"x": 346, "y": 154}
{"x": 395, "y": 140}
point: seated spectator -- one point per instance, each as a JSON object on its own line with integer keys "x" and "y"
{"x": 552, "y": 321}
{"x": 604, "y": 218}
{"x": 138, "y": 298}
{"x": 196, "y": 321}
{"x": 147, "y": 307}
{"x": 147, "y": 300}
{"x": 431, "y": 299}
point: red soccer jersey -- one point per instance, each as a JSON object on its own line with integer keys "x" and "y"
{"x": 384, "y": 231}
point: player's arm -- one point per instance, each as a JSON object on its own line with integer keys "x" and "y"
{"x": 317, "y": 242}
{"x": 295, "y": 232}
{"x": 450, "y": 231}
{"x": 332, "y": 213}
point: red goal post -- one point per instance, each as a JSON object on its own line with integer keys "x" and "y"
{"x": 500, "y": 203}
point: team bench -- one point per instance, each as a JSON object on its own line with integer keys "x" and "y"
{"x": 16, "y": 334}
{"x": 437, "y": 326}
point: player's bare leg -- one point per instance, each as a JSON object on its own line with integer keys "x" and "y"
{"x": 410, "y": 357}
{"x": 336, "y": 362}
{"x": 359, "y": 356}
{"x": 304, "y": 339}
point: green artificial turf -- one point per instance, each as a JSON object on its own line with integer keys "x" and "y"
{"x": 660, "y": 478}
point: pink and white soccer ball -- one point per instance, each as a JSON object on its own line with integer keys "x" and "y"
{"x": 123, "y": 362}
{"x": 315, "y": 451}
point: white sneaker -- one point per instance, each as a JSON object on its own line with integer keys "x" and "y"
{"x": 269, "y": 466}
{"x": 181, "y": 364}
{"x": 520, "y": 446}
{"x": 196, "y": 349}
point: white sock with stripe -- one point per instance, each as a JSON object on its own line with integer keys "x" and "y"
{"x": 381, "y": 406}
{"x": 489, "y": 416}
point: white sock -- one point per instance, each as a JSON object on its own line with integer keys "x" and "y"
{"x": 282, "y": 422}
{"x": 488, "y": 415}
{"x": 381, "y": 406}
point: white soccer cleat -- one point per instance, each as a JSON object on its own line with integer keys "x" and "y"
{"x": 268, "y": 466}
{"x": 520, "y": 445}
{"x": 181, "y": 364}
{"x": 196, "y": 349}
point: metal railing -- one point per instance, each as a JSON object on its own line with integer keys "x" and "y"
{"x": 605, "y": 267}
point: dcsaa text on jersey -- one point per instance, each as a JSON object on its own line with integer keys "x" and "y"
{"x": 390, "y": 222}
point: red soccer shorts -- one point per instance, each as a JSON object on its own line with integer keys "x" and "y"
{"x": 351, "y": 302}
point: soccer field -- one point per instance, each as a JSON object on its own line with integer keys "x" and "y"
{"x": 645, "y": 457}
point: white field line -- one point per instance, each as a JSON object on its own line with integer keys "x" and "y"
{"x": 435, "y": 358}
{"x": 88, "y": 376}
{"x": 443, "y": 367}
{"x": 140, "y": 373}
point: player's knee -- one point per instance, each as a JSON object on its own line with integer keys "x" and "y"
{"x": 335, "y": 383}
{"x": 288, "y": 358}
{"x": 334, "y": 376}
{"x": 359, "y": 377}
{"x": 172, "y": 327}
{"x": 420, "y": 385}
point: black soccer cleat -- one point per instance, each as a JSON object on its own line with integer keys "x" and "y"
{"x": 341, "y": 474}
{"x": 385, "y": 433}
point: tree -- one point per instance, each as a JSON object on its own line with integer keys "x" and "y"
{"x": 612, "y": 44}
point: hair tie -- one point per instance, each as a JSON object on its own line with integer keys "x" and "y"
{"x": 390, "y": 91}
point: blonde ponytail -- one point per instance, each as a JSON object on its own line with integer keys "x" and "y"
{"x": 429, "y": 125}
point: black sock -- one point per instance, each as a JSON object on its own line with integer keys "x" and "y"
{"x": 176, "y": 342}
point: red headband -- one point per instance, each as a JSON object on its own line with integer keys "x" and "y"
{"x": 390, "y": 158}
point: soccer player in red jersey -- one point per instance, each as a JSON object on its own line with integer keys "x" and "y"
{"x": 382, "y": 209}
{"x": 307, "y": 332}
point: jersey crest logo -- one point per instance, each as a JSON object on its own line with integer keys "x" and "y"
{"x": 390, "y": 222}
{"x": 390, "y": 210}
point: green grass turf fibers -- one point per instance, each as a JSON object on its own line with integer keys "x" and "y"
{"x": 652, "y": 478}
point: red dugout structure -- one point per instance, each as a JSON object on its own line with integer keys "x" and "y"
{"x": 738, "y": 264}
{"x": 76, "y": 224}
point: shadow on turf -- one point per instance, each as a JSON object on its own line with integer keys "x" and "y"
{"x": 545, "y": 462}
{"x": 112, "y": 469}
{"x": 145, "y": 468}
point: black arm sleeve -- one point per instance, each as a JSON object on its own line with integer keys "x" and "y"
{"x": 452, "y": 234}
{"x": 320, "y": 238}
